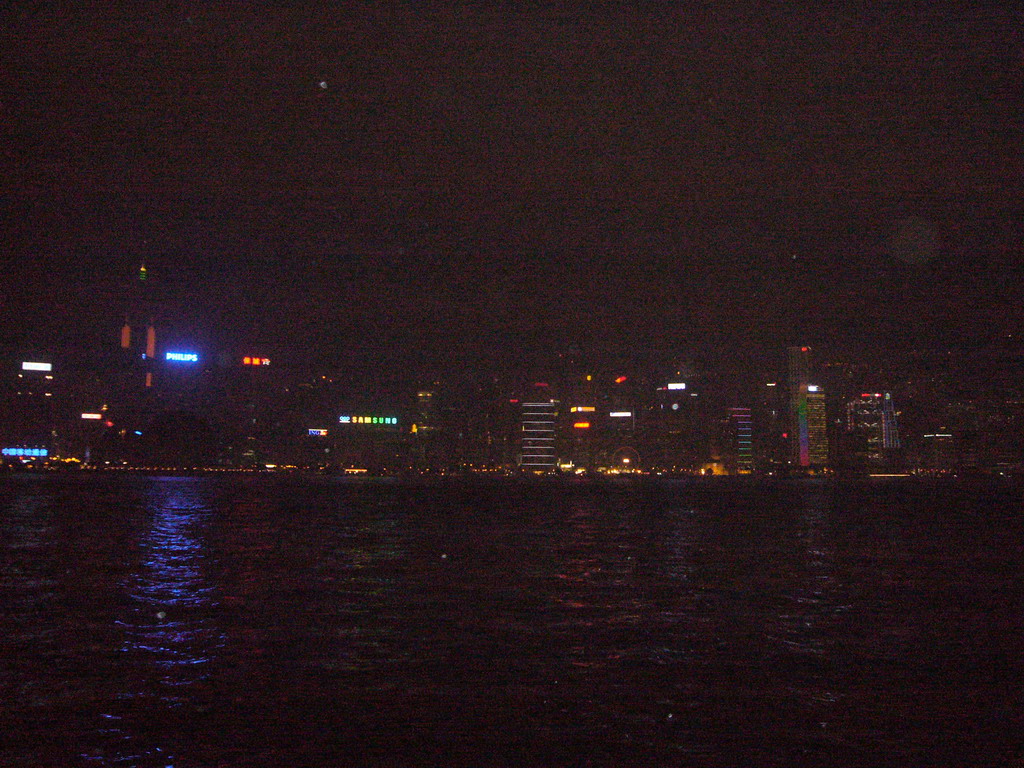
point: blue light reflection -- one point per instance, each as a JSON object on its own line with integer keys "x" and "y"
{"x": 170, "y": 638}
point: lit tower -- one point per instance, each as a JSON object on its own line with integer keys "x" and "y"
{"x": 140, "y": 307}
{"x": 808, "y": 425}
{"x": 538, "y": 417}
{"x": 817, "y": 427}
{"x": 872, "y": 419}
{"x": 742, "y": 434}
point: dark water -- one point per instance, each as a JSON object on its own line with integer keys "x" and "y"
{"x": 246, "y": 622}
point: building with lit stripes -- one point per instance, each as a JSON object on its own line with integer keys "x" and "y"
{"x": 742, "y": 434}
{"x": 537, "y": 447}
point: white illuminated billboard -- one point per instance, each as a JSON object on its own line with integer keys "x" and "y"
{"x": 92, "y": 416}
{"x": 27, "y": 366}
{"x": 677, "y": 385}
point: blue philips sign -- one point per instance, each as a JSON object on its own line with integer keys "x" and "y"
{"x": 182, "y": 357}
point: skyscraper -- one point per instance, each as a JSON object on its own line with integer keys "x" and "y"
{"x": 808, "y": 425}
{"x": 742, "y": 434}
{"x": 817, "y": 427}
{"x": 538, "y": 452}
{"x": 139, "y": 311}
{"x": 871, "y": 427}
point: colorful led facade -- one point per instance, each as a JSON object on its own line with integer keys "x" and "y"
{"x": 808, "y": 424}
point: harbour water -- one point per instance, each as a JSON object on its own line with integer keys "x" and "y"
{"x": 263, "y": 621}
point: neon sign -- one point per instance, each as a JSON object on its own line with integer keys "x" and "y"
{"x": 620, "y": 414}
{"x": 34, "y": 452}
{"x": 582, "y": 425}
{"x": 677, "y": 385}
{"x": 255, "y": 361}
{"x": 318, "y": 433}
{"x": 95, "y": 416}
{"x": 373, "y": 420}
{"x": 27, "y": 366}
{"x": 182, "y": 357}
{"x": 582, "y": 409}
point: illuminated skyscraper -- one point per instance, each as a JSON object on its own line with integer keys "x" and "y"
{"x": 817, "y": 427}
{"x": 27, "y": 412}
{"x": 139, "y": 311}
{"x": 742, "y": 434}
{"x": 808, "y": 426}
{"x": 871, "y": 423}
{"x": 538, "y": 452}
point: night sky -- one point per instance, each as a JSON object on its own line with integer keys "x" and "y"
{"x": 420, "y": 186}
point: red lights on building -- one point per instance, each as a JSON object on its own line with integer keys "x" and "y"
{"x": 620, "y": 380}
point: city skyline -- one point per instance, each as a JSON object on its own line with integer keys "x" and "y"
{"x": 150, "y": 403}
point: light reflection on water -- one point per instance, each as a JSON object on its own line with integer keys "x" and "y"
{"x": 174, "y": 604}
{"x": 206, "y": 623}
{"x": 170, "y": 637}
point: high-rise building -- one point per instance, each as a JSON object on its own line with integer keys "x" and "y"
{"x": 808, "y": 432}
{"x": 27, "y": 411}
{"x": 742, "y": 436}
{"x": 538, "y": 452}
{"x": 798, "y": 374}
{"x": 771, "y": 428}
{"x": 138, "y": 334}
{"x": 871, "y": 428}
{"x": 817, "y": 427}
